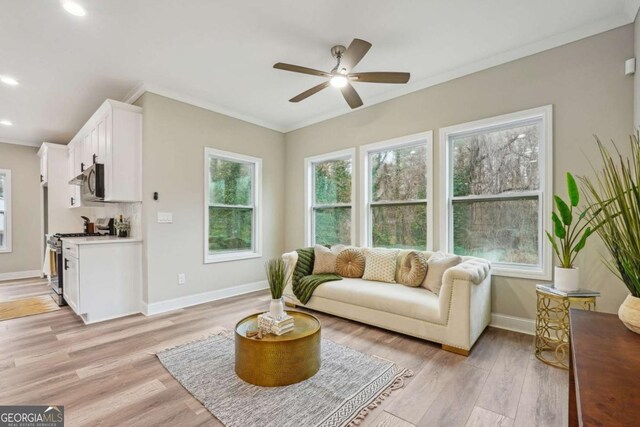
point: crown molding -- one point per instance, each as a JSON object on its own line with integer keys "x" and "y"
{"x": 23, "y": 143}
{"x": 141, "y": 88}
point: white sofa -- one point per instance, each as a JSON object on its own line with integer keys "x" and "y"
{"x": 454, "y": 318}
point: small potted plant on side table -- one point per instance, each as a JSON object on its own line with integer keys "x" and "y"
{"x": 571, "y": 234}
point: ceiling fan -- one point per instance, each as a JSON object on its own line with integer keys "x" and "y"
{"x": 341, "y": 76}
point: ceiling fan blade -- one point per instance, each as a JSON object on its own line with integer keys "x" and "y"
{"x": 351, "y": 96}
{"x": 299, "y": 69}
{"x": 354, "y": 54}
{"x": 380, "y": 77}
{"x": 308, "y": 93}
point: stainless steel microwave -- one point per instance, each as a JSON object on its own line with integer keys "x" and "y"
{"x": 91, "y": 182}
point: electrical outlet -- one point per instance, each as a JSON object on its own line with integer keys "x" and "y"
{"x": 181, "y": 279}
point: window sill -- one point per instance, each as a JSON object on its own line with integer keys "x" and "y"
{"x": 520, "y": 273}
{"x": 234, "y": 256}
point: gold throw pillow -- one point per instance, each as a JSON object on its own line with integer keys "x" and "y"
{"x": 350, "y": 263}
{"x": 414, "y": 269}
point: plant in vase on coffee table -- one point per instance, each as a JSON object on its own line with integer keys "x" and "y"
{"x": 276, "y": 321}
{"x": 569, "y": 237}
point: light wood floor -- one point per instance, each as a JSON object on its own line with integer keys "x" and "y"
{"x": 107, "y": 374}
{"x": 11, "y": 290}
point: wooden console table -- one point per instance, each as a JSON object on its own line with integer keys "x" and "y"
{"x": 604, "y": 371}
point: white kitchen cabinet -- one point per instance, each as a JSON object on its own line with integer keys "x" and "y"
{"x": 70, "y": 280}
{"x": 113, "y": 137}
{"x": 102, "y": 277}
{"x": 74, "y": 169}
{"x": 44, "y": 171}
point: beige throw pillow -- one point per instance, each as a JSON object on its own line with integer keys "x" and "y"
{"x": 413, "y": 269}
{"x": 350, "y": 263}
{"x": 437, "y": 265}
{"x": 324, "y": 261}
{"x": 380, "y": 265}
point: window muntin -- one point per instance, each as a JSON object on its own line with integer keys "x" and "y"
{"x": 331, "y": 210}
{"x": 231, "y": 217}
{"x": 498, "y": 191}
{"x": 397, "y": 193}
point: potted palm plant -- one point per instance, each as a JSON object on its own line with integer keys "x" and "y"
{"x": 614, "y": 198}
{"x": 277, "y": 277}
{"x": 569, "y": 237}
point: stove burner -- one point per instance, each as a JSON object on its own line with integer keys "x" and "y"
{"x": 76, "y": 234}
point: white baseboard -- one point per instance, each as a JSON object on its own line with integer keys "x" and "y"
{"x": 512, "y": 323}
{"x": 189, "y": 300}
{"x": 20, "y": 275}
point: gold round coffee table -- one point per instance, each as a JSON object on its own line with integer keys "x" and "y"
{"x": 278, "y": 360}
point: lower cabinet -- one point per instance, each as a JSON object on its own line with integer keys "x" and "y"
{"x": 102, "y": 281}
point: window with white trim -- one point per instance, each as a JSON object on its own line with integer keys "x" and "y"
{"x": 5, "y": 210}
{"x": 498, "y": 187}
{"x": 232, "y": 206}
{"x": 397, "y": 192}
{"x": 329, "y": 202}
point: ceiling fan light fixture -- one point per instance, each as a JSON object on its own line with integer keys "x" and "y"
{"x": 74, "y": 8}
{"x": 339, "y": 81}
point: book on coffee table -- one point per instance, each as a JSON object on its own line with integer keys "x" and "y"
{"x": 275, "y": 326}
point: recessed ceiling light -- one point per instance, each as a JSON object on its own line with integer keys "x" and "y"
{"x": 6, "y": 123}
{"x": 8, "y": 80}
{"x": 74, "y": 8}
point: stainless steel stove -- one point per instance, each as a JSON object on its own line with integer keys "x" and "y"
{"x": 56, "y": 277}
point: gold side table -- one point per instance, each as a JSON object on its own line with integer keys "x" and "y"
{"x": 278, "y": 360}
{"x": 552, "y": 325}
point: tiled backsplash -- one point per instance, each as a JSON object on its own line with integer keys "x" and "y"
{"x": 133, "y": 211}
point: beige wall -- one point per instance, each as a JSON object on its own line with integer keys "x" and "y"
{"x": 585, "y": 83}
{"x": 25, "y": 214}
{"x": 175, "y": 135}
{"x": 636, "y": 77}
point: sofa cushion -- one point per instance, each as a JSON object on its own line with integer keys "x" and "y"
{"x": 324, "y": 260}
{"x": 417, "y": 303}
{"x": 414, "y": 269}
{"x": 438, "y": 264}
{"x": 380, "y": 265}
{"x": 350, "y": 263}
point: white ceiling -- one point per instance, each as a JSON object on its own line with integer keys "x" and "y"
{"x": 219, "y": 53}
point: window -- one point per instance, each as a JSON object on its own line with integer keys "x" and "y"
{"x": 397, "y": 184}
{"x": 5, "y": 210}
{"x": 330, "y": 192}
{"x": 232, "y": 203}
{"x": 498, "y": 187}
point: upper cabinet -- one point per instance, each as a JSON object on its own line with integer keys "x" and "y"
{"x": 44, "y": 167}
{"x": 112, "y": 137}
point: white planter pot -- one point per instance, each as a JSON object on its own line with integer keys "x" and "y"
{"x": 276, "y": 308}
{"x": 566, "y": 279}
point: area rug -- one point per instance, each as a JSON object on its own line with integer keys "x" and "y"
{"x": 348, "y": 385}
{"x": 27, "y": 307}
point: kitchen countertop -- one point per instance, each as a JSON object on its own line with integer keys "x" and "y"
{"x": 100, "y": 240}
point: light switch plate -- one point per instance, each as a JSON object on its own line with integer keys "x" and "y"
{"x": 165, "y": 217}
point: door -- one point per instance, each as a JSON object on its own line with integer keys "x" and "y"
{"x": 102, "y": 141}
{"x": 71, "y": 282}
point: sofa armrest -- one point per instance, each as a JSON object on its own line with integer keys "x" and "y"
{"x": 471, "y": 269}
{"x": 291, "y": 259}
